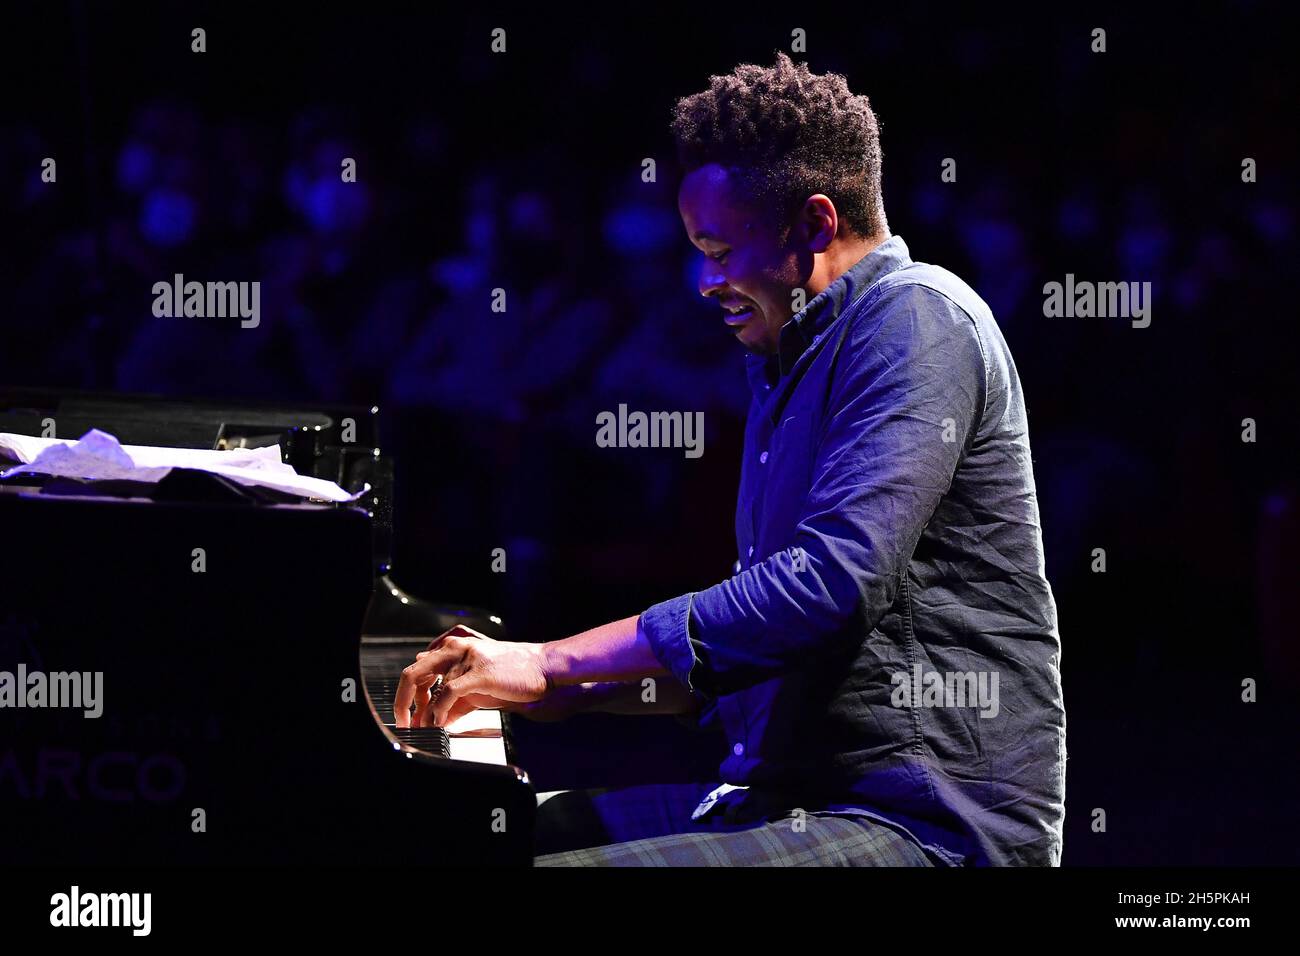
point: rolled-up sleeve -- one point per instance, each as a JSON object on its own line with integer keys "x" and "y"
{"x": 903, "y": 404}
{"x": 666, "y": 627}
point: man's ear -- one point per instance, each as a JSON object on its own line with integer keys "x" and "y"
{"x": 820, "y": 221}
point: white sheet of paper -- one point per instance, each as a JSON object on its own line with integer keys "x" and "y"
{"x": 98, "y": 456}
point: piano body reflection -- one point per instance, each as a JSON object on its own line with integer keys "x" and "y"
{"x": 247, "y": 695}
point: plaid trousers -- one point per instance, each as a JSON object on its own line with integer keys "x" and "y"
{"x": 652, "y": 826}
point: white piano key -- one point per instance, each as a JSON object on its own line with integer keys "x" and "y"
{"x": 479, "y": 749}
{"x": 476, "y": 720}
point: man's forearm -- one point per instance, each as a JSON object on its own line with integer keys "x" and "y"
{"x": 650, "y": 695}
{"x": 611, "y": 652}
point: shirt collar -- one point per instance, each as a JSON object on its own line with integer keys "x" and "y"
{"x": 807, "y": 324}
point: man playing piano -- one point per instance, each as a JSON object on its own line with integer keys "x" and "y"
{"x": 885, "y": 659}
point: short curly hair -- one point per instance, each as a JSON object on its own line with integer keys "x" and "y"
{"x": 787, "y": 133}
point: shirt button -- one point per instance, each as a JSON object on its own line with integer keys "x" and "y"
{"x": 738, "y": 750}
{"x": 762, "y": 459}
{"x": 735, "y": 568}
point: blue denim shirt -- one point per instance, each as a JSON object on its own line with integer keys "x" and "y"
{"x": 889, "y": 540}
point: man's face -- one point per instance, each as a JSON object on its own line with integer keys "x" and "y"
{"x": 748, "y": 265}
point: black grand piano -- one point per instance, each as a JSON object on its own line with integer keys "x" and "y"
{"x": 247, "y": 697}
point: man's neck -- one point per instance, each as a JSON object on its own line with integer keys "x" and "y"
{"x": 840, "y": 256}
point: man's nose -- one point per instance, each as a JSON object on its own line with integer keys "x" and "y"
{"x": 711, "y": 281}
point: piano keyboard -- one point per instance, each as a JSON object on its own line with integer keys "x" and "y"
{"x": 476, "y": 737}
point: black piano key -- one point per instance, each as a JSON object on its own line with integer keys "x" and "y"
{"x": 381, "y": 669}
{"x": 432, "y": 740}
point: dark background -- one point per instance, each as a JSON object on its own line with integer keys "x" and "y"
{"x": 522, "y": 171}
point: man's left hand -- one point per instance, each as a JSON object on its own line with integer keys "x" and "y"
{"x": 477, "y": 671}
